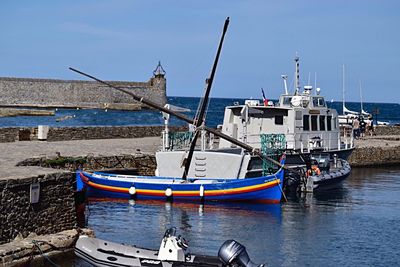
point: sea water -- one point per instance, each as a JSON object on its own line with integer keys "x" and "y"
{"x": 356, "y": 224}
{"x": 97, "y": 117}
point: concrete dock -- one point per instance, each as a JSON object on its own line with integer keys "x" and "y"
{"x": 15, "y": 152}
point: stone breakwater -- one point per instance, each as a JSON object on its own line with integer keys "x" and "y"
{"x": 375, "y": 151}
{"x": 375, "y": 156}
{"x": 13, "y": 112}
{"x": 12, "y": 134}
{"x": 54, "y": 211}
{"x": 27, "y": 92}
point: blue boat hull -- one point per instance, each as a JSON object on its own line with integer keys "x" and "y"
{"x": 267, "y": 189}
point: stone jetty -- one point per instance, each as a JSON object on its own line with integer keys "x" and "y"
{"x": 13, "y": 112}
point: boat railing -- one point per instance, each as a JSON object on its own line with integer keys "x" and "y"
{"x": 326, "y": 141}
{"x": 176, "y": 140}
{"x": 181, "y": 140}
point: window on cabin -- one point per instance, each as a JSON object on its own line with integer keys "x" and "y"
{"x": 279, "y": 119}
{"x": 329, "y": 123}
{"x": 322, "y": 123}
{"x": 298, "y": 115}
{"x": 286, "y": 101}
{"x": 314, "y": 123}
{"x": 318, "y": 102}
{"x": 306, "y": 122}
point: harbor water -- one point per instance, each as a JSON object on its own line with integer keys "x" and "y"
{"x": 354, "y": 225}
{"x": 388, "y": 112}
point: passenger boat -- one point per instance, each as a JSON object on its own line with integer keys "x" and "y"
{"x": 300, "y": 123}
{"x": 173, "y": 252}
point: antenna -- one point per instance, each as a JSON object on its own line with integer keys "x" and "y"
{"x": 315, "y": 80}
{"x": 284, "y": 77}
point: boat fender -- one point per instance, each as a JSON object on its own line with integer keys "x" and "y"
{"x": 168, "y": 192}
{"x": 132, "y": 190}
{"x": 232, "y": 253}
{"x": 201, "y": 191}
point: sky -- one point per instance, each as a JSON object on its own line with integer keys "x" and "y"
{"x": 125, "y": 39}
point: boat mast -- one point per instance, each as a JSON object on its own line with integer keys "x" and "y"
{"x": 361, "y": 100}
{"x": 343, "y": 92}
{"x": 297, "y": 74}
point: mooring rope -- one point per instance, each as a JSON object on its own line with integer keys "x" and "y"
{"x": 35, "y": 242}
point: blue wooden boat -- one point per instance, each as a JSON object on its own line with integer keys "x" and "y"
{"x": 194, "y": 175}
{"x": 265, "y": 189}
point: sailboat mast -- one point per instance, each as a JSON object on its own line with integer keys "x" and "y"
{"x": 343, "y": 88}
{"x": 361, "y": 100}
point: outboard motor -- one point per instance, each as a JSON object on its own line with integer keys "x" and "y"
{"x": 233, "y": 254}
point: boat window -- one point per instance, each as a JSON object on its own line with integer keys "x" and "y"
{"x": 318, "y": 102}
{"x": 279, "y": 119}
{"x": 298, "y": 115}
{"x": 329, "y": 123}
{"x": 314, "y": 123}
{"x": 306, "y": 122}
{"x": 286, "y": 101}
{"x": 322, "y": 123}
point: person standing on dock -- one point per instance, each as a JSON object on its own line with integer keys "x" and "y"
{"x": 370, "y": 127}
{"x": 362, "y": 127}
{"x": 356, "y": 128}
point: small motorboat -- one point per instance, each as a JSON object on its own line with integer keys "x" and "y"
{"x": 319, "y": 173}
{"x": 330, "y": 174}
{"x": 173, "y": 252}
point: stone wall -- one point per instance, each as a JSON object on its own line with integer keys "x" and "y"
{"x": 106, "y": 132}
{"x": 54, "y": 212}
{"x": 8, "y": 134}
{"x": 375, "y": 156}
{"x": 26, "y": 92}
{"x": 12, "y": 134}
{"x": 387, "y": 130}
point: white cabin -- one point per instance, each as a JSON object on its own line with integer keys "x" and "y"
{"x": 304, "y": 119}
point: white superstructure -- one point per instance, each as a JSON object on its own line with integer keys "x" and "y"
{"x": 303, "y": 118}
